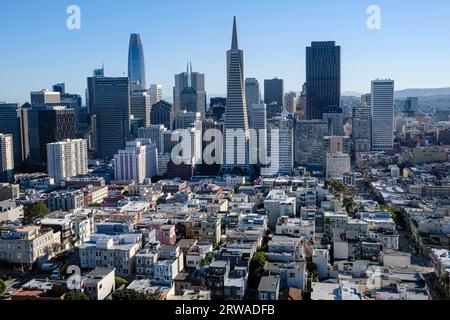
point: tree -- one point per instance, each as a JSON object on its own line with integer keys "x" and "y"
{"x": 132, "y": 295}
{"x": 76, "y": 295}
{"x": 2, "y": 286}
{"x": 35, "y": 211}
{"x": 311, "y": 267}
{"x": 257, "y": 268}
{"x": 120, "y": 282}
{"x": 209, "y": 257}
{"x": 350, "y": 205}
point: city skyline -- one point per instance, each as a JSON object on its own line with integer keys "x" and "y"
{"x": 362, "y": 59}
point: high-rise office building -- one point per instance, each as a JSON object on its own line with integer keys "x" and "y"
{"x": 283, "y": 147}
{"x": 258, "y": 122}
{"x": 273, "y": 110}
{"x": 109, "y": 101}
{"x": 45, "y": 97}
{"x": 189, "y": 91}
{"x": 48, "y": 124}
{"x": 361, "y": 127}
{"x": 382, "y": 105}
{"x": 334, "y": 118}
{"x": 273, "y": 91}
{"x": 290, "y": 102}
{"x": 235, "y": 153}
{"x": 217, "y": 108}
{"x": 323, "y": 77}
{"x": 6, "y": 158}
{"x": 188, "y": 100}
{"x": 67, "y": 159}
{"x": 136, "y": 63}
{"x": 301, "y": 104}
{"x": 252, "y": 93}
{"x": 163, "y": 113}
{"x": 140, "y": 106}
{"x": 309, "y": 140}
{"x": 186, "y": 119}
{"x": 14, "y": 121}
{"x": 59, "y": 87}
{"x": 137, "y": 161}
{"x": 156, "y": 93}
{"x": 155, "y": 133}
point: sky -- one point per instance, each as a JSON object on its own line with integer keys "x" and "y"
{"x": 38, "y": 50}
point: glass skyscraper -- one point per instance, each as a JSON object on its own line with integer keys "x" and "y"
{"x": 136, "y": 63}
{"x": 323, "y": 77}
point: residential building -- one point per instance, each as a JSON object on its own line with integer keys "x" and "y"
{"x": 100, "y": 283}
{"x": 67, "y": 159}
{"x": 269, "y": 288}
{"x": 26, "y": 245}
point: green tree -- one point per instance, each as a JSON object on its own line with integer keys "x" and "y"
{"x": 76, "y": 295}
{"x": 2, "y": 286}
{"x": 209, "y": 257}
{"x": 35, "y": 211}
{"x": 120, "y": 282}
{"x": 350, "y": 205}
{"x": 257, "y": 268}
{"x": 128, "y": 294}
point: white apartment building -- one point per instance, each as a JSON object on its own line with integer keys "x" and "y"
{"x": 279, "y": 204}
{"x": 382, "y": 105}
{"x": 117, "y": 252}
{"x": 67, "y": 159}
{"x": 6, "y": 158}
{"x": 137, "y": 161}
{"x": 100, "y": 283}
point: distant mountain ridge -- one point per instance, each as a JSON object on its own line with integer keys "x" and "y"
{"x": 418, "y": 92}
{"x": 422, "y": 92}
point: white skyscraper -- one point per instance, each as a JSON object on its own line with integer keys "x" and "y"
{"x": 382, "y": 103}
{"x": 236, "y": 133}
{"x": 156, "y": 94}
{"x": 137, "y": 161}
{"x": 6, "y": 158}
{"x": 283, "y": 148}
{"x": 67, "y": 158}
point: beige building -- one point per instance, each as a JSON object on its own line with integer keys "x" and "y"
{"x": 25, "y": 245}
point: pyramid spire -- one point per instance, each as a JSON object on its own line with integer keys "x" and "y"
{"x": 234, "y": 42}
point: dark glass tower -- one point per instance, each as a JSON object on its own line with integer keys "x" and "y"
{"x": 14, "y": 121}
{"x": 273, "y": 92}
{"x": 323, "y": 77}
{"x": 109, "y": 101}
{"x": 136, "y": 63}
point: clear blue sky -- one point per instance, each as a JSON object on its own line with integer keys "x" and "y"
{"x": 413, "y": 46}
